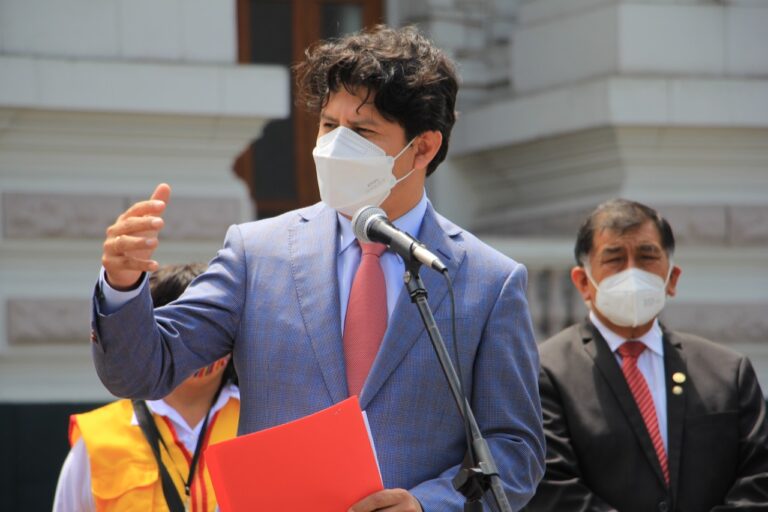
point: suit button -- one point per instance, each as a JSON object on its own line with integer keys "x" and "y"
{"x": 663, "y": 507}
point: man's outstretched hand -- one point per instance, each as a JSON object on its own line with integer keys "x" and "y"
{"x": 132, "y": 239}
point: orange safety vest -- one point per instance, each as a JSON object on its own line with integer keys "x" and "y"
{"x": 124, "y": 473}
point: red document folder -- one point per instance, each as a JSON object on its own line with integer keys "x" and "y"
{"x": 323, "y": 462}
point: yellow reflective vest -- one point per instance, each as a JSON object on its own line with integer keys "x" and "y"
{"x": 124, "y": 473}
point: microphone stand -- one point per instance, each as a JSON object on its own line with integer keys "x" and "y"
{"x": 473, "y": 480}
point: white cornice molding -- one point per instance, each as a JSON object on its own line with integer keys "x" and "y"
{"x": 136, "y": 87}
{"x": 615, "y": 101}
{"x": 89, "y": 134}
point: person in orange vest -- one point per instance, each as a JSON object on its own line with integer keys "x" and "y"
{"x": 149, "y": 455}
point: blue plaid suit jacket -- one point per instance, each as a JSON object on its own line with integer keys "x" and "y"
{"x": 270, "y": 297}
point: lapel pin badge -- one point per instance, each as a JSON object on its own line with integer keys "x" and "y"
{"x": 678, "y": 377}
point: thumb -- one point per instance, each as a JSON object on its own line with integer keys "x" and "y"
{"x": 162, "y": 193}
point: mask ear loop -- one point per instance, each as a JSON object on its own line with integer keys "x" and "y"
{"x": 588, "y": 303}
{"x": 588, "y": 272}
{"x": 404, "y": 148}
{"x": 669, "y": 273}
{"x": 398, "y": 156}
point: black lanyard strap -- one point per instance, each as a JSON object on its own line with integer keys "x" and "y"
{"x": 149, "y": 428}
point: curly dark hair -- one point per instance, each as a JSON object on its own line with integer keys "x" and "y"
{"x": 412, "y": 82}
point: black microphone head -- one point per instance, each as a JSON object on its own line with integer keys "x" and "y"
{"x": 360, "y": 221}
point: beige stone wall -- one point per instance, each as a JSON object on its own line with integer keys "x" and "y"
{"x": 31, "y": 215}
{"x": 64, "y": 216}
{"x": 41, "y": 322}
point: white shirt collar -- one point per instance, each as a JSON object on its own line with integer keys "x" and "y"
{"x": 652, "y": 339}
{"x": 410, "y": 222}
{"x": 161, "y": 408}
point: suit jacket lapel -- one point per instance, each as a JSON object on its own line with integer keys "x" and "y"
{"x": 313, "y": 244}
{"x": 673, "y": 364}
{"x": 405, "y": 326}
{"x": 606, "y": 362}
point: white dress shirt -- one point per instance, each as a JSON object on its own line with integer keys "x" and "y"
{"x": 650, "y": 363}
{"x": 73, "y": 491}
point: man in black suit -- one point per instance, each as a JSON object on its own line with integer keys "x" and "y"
{"x": 668, "y": 421}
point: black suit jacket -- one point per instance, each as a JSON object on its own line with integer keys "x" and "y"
{"x": 599, "y": 453}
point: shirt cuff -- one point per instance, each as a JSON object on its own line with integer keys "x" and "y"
{"x": 111, "y": 299}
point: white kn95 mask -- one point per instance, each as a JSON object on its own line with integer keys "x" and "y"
{"x": 632, "y": 297}
{"x": 352, "y": 171}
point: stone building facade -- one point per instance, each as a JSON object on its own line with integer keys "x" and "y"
{"x": 564, "y": 103}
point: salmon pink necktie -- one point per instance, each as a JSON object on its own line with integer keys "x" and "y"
{"x": 366, "y": 320}
{"x": 629, "y": 352}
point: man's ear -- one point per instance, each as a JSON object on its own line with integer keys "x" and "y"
{"x": 426, "y": 146}
{"x": 673, "y": 277}
{"x": 581, "y": 282}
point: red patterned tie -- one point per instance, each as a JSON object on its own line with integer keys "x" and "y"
{"x": 629, "y": 352}
{"x": 366, "y": 320}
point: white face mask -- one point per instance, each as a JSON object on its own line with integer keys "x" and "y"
{"x": 632, "y": 297}
{"x": 352, "y": 171}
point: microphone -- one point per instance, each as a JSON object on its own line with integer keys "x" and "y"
{"x": 371, "y": 224}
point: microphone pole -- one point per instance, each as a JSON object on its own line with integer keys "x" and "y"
{"x": 472, "y": 481}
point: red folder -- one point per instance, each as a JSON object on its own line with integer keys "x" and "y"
{"x": 322, "y": 462}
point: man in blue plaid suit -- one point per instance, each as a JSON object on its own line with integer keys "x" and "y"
{"x": 275, "y": 295}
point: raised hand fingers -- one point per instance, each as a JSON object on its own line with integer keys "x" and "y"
{"x": 150, "y": 207}
{"x": 162, "y": 193}
{"x": 154, "y": 206}
{"x": 135, "y": 226}
{"x": 126, "y": 244}
{"x": 125, "y": 264}
{"x": 132, "y": 239}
